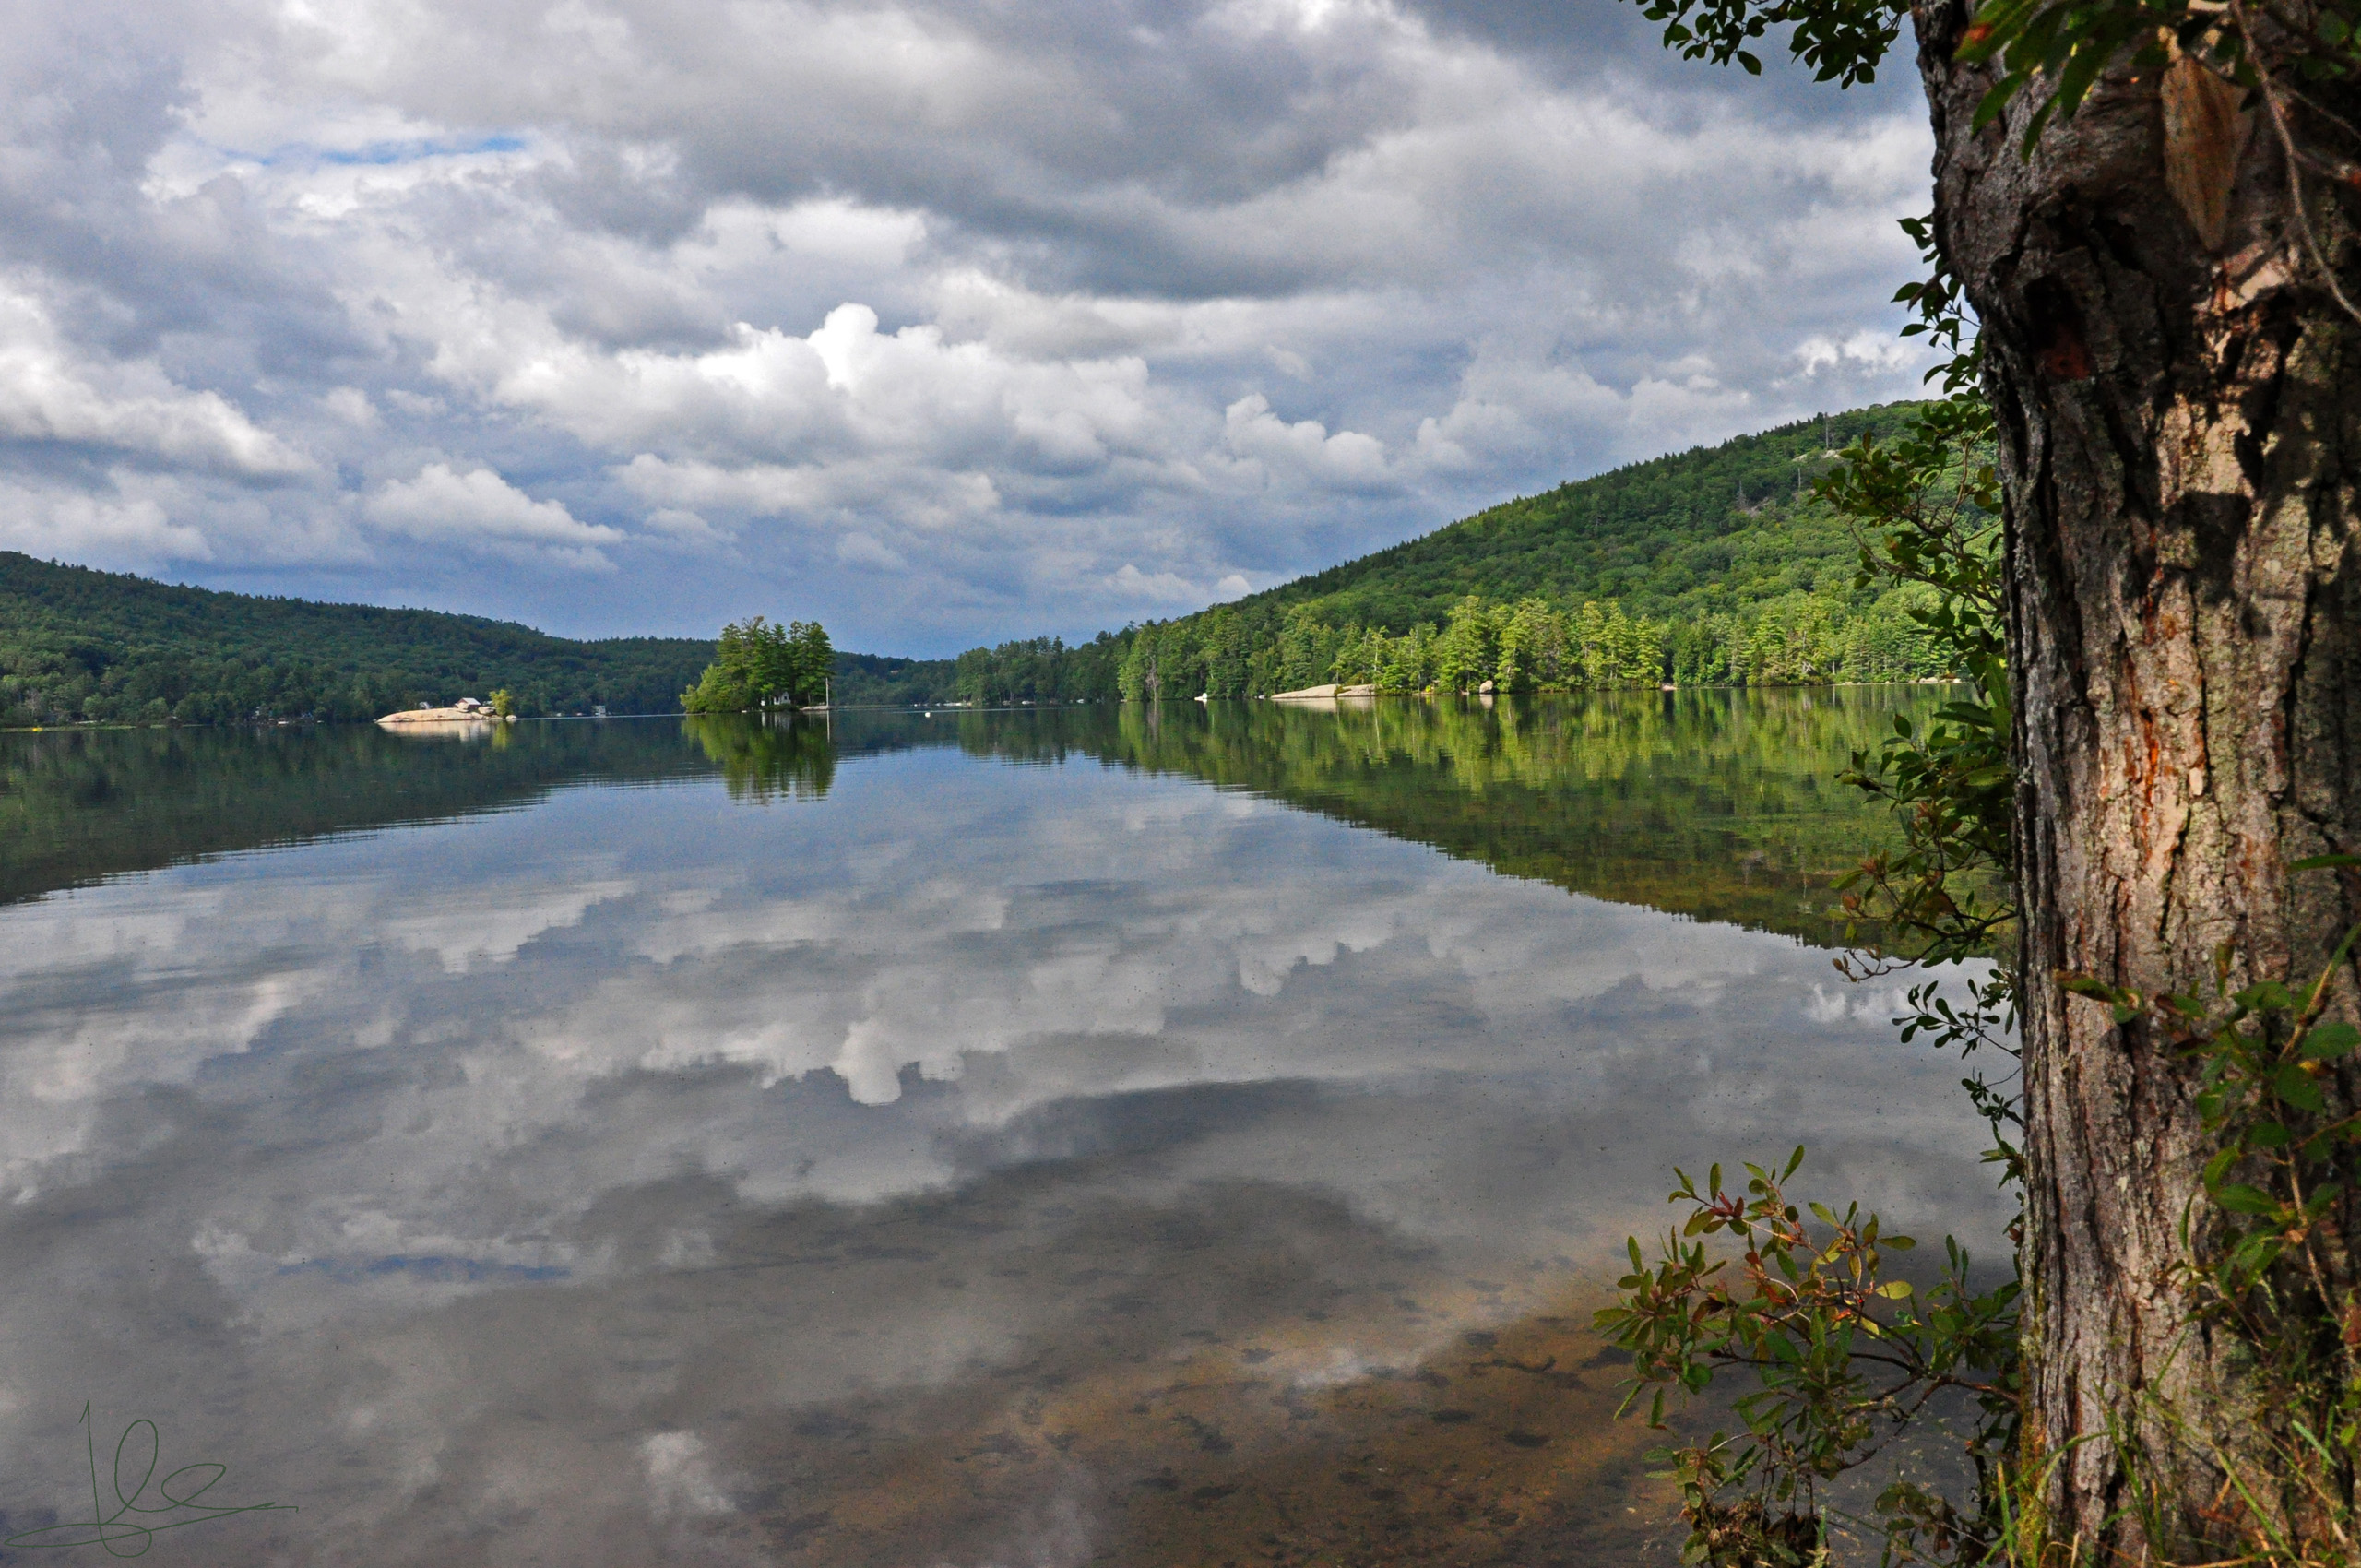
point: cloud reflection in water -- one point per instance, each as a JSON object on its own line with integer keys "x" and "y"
{"x": 651, "y": 1176}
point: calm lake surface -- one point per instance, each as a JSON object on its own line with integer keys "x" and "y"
{"x": 1192, "y": 1136}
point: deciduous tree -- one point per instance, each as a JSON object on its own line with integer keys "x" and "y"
{"x": 2150, "y": 206}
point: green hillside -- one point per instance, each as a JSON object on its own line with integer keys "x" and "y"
{"x": 1708, "y": 530}
{"x": 1711, "y": 566}
{"x": 78, "y": 645}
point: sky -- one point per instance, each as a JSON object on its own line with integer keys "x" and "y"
{"x": 939, "y": 322}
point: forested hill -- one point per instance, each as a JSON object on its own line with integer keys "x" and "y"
{"x": 1714, "y": 565}
{"x": 83, "y": 645}
{"x": 1697, "y": 532}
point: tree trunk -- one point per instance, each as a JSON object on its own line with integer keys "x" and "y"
{"x": 2178, "y": 401}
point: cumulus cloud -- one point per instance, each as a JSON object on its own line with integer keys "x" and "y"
{"x": 107, "y": 530}
{"x": 480, "y": 512}
{"x": 1302, "y": 454}
{"x": 680, "y": 1475}
{"x": 51, "y": 397}
{"x": 1159, "y": 587}
{"x": 1108, "y": 306}
{"x": 687, "y": 528}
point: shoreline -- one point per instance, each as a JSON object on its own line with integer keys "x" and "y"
{"x": 80, "y": 726}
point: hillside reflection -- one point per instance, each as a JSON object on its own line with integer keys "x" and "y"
{"x": 1722, "y": 805}
{"x": 79, "y": 806}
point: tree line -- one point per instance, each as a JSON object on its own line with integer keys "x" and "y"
{"x": 1530, "y": 645}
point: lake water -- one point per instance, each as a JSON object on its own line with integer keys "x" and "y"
{"x": 1189, "y": 1136}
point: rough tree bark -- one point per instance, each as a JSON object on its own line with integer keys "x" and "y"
{"x": 2179, "y": 413}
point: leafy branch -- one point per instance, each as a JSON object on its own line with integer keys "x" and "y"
{"x": 1842, "y": 1353}
{"x": 1841, "y": 41}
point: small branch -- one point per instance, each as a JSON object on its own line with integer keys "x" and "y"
{"x": 2270, "y": 102}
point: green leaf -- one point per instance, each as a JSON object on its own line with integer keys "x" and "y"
{"x": 2321, "y": 863}
{"x": 2295, "y": 1085}
{"x": 2040, "y": 119}
{"x": 2328, "y": 1041}
{"x": 1997, "y": 99}
{"x": 1895, "y": 1289}
{"x": 2239, "y": 1198}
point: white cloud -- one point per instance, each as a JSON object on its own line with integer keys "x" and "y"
{"x": 1159, "y": 587}
{"x": 680, "y": 1475}
{"x": 482, "y": 513}
{"x": 103, "y": 530}
{"x": 49, "y": 395}
{"x": 866, "y": 550}
{"x": 1871, "y": 351}
{"x": 1292, "y": 456}
{"x": 352, "y": 405}
{"x": 687, "y": 528}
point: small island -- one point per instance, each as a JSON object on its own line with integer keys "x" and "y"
{"x": 498, "y": 708}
